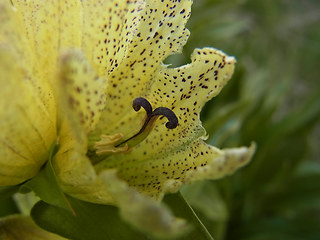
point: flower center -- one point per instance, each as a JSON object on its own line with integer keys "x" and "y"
{"x": 116, "y": 144}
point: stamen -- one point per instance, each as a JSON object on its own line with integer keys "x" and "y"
{"x": 142, "y": 102}
{"x": 113, "y": 144}
{"x": 151, "y": 117}
{"x": 107, "y": 144}
{"x": 173, "y": 120}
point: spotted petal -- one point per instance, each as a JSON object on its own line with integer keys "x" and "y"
{"x": 82, "y": 87}
{"x": 74, "y": 169}
{"x": 78, "y": 178}
{"x": 167, "y": 159}
{"x": 160, "y": 33}
{"x": 108, "y": 28}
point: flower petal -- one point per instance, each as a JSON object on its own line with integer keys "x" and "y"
{"x": 10, "y": 27}
{"x": 142, "y": 212}
{"x": 161, "y": 32}
{"x": 170, "y": 155}
{"x": 81, "y": 89}
{"x": 27, "y": 131}
{"x": 81, "y": 96}
{"x": 79, "y": 179}
{"x": 103, "y": 29}
{"x": 17, "y": 33}
{"x": 184, "y": 90}
{"x": 14, "y": 33}
{"x": 108, "y": 29}
{"x": 22, "y": 227}
{"x": 76, "y": 173}
{"x": 49, "y": 26}
{"x": 207, "y": 163}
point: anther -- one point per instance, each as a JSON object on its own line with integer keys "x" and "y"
{"x": 173, "y": 120}
{"x": 147, "y": 126}
{"x": 142, "y": 102}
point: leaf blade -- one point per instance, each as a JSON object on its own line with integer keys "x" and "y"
{"x": 182, "y": 209}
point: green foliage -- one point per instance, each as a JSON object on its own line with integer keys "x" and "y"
{"x": 7, "y": 204}
{"x": 181, "y": 208}
{"x": 274, "y": 100}
{"x": 101, "y": 222}
{"x": 91, "y": 221}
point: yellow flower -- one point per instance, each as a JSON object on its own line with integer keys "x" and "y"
{"x": 21, "y": 227}
{"x": 72, "y": 69}
{"x": 27, "y": 107}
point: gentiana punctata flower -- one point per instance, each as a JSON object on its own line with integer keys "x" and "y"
{"x": 90, "y": 75}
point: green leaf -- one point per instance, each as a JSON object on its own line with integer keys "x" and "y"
{"x": 102, "y": 222}
{"x": 210, "y": 205}
{"x": 91, "y": 221}
{"x": 301, "y": 194}
{"x": 7, "y": 191}
{"x": 182, "y": 209}
{"x": 45, "y": 185}
{"x": 205, "y": 197}
{"x": 8, "y": 207}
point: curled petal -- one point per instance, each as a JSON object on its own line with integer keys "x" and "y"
{"x": 164, "y": 160}
{"x": 212, "y": 163}
{"x": 160, "y": 33}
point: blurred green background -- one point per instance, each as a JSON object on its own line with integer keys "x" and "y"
{"x": 272, "y": 99}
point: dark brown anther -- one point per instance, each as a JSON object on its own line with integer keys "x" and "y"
{"x": 144, "y": 131}
{"x": 169, "y": 114}
{"x": 142, "y": 102}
